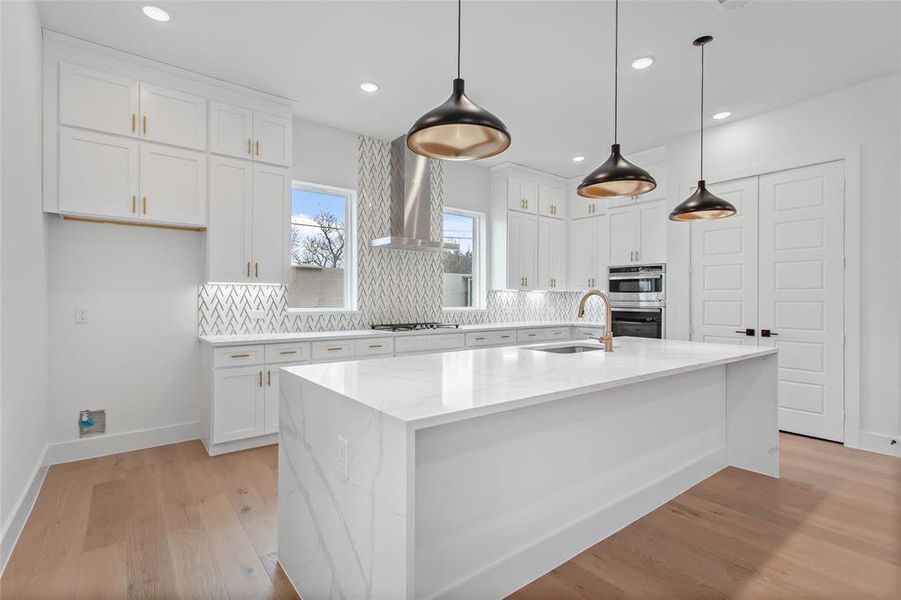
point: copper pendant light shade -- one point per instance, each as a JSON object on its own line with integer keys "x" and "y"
{"x": 702, "y": 204}
{"x": 617, "y": 177}
{"x": 459, "y": 129}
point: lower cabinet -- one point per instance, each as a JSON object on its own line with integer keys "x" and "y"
{"x": 238, "y": 403}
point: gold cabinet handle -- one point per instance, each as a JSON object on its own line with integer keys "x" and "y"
{"x": 258, "y": 147}
{"x": 479, "y": 339}
{"x": 256, "y": 269}
{"x": 144, "y": 200}
{"x": 134, "y": 204}
{"x": 504, "y": 337}
{"x": 134, "y": 122}
{"x": 269, "y": 378}
{"x": 240, "y": 355}
{"x": 375, "y": 345}
{"x": 144, "y": 124}
{"x": 249, "y": 151}
{"x": 288, "y": 352}
{"x": 248, "y": 269}
{"x": 261, "y": 379}
{"x": 334, "y": 349}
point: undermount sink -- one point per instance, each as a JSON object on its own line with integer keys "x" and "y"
{"x": 568, "y": 349}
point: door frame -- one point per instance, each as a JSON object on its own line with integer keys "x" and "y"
{"x": 850, "y": 155}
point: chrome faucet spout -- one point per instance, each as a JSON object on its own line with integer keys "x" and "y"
{"x": 607, "y": 339}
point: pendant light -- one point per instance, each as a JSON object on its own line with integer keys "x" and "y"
{"x": 459, "y": 129}
{"x": 617, "y": 177}
{"x": 702, "y": 204}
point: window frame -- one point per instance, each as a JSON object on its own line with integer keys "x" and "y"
{"x": 479, "y": 263}
{"x": 350, "y": 246}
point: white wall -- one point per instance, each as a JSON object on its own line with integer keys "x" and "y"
{"x": 467, "y": 186}
{"x": 865, "y": 115}
{"x": 23, "y": 267}
{"x": 324, "y": 155}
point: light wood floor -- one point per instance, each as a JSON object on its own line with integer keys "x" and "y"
{"x": 171, "y": 522}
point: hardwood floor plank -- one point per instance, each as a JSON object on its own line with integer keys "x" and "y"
{"x": 149, "y": 565}
{"x": 102, "y": 574}
{"x": 196, "y": 574}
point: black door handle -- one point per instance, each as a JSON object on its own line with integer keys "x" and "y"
{"x": 767, "y": 333}
{"x": 748, "y": 331}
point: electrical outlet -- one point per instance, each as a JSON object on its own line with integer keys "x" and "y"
{"x": 343, "y": 454}
{"x": 82, "y": 316}
{"x": 257, "y": 314}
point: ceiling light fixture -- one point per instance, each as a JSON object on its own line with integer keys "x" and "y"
{"x": 369, "y": 86}
{"x": 642, "y": 62}
{"x": 722, "y": 115}
{"x": 156, "y": 13}
{"x": 578, "y": 158}
{"x": 617, "y": 177}
{"x": 702, "y": 204}
{"x": 459, "y": 129}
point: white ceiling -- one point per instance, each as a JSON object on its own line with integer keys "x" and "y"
{"x": 544, "y": 67}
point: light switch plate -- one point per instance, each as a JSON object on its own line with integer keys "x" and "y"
{"x": 82, "y": 316}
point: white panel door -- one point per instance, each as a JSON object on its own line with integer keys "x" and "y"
{"x": 272, "y": 139}
{"x": 271, "y": 190}
{"x": 601, "y": 253}
{"x": 551, "y": 253}
{"x": 522, "y": 195}
{"x": 516, "y": 278}
{"x": 238, "y": 403}
{"x": 551, "y": 201}
{"x": 652, "y": 218}
{"x": 724, "y": 269}
{"x": 544, "y": 253}
{"x": 623, "y": 234}
{"x": 530, "y": 252}
{"x": 801, "y": 294}
{"x": 231, "y": 130}
{"x": 582, "y": 253}
{"x": 98, "y": 174}
{"x": 229, "y": 248}
{"x": 271, "y": 397}
{"x": 173, "y": 117}
{"x": 173, "y": 185}
{"x": 97, "y": 100}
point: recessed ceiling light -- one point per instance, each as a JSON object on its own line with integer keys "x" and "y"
{"x": 369, "y": 86}
{"x": 156, "y": 13}
{"x": 578, "y": 158}
{"x": 642, "y": 62}
{"x": 721, "y": 115}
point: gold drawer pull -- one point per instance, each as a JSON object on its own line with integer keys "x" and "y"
{"x": 240, "y": 356}
{"x": 479, "y": 339}
{"x": 334, "y": 349}
{"x": 288, "y": 352}
{"x": 503, "y": 337}
{"x": 375, "y": 345}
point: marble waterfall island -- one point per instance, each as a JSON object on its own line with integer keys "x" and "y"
{"x": 469, "y": 474}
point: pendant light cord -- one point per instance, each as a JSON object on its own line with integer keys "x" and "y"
{"x": 615, "y": 69}
{"x": 459, "y": 20}
{"x": 702, "y": 110}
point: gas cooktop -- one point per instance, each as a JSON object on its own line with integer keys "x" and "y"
{"x": 414, "y": 326}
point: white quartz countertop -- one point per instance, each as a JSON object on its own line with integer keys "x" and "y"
{"x": 432, "y": 389}
{"x": 312, "y": 336}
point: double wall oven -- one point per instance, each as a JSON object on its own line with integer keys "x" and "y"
{"x": 638, "y": 299}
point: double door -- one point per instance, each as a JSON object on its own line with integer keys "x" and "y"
{"x": 243, "y": 133}
{"x": 588, "y": 253}
{"x": 638, "y": 232}
{"x": 773, "y": 275}
{"x": 551, "y": 253}
{"x": 248, "y": 222}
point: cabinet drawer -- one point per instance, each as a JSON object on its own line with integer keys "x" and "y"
{"x": 447, "y": 341}
{"x": 332, "y": 350}
{"x": 287, "y": 353}
{"x": 503, "y": 338}
{"x": 236, "y": 356}
{"x": 481, "y": 338}
{"x": 374, "y": 347}
{"x": 584, "y": 333}
{"x": 413, "y": 343}
{"x": 530, "y": 335}
{"x": 556, "y": 333}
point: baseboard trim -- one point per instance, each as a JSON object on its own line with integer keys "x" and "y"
{"x": 880, "y": 443}
{"x": 505, "y": 576}
{"x": 238, "y": 445}
{"x": 12, "y": 529}
{"x": 103, "y": 445}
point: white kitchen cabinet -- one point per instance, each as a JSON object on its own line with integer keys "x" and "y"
{"x": 231, "y": 130}
{"x": 98, "y": 174}
{"x": 172, "y": 117}
{"x": 552, "y": 201}
{"x": 271, "y": 192}
{"x": 522, "y": 251}
{"x": 588, "y": 253}
{"x": 271, "y": 396}
{"x": 272, "y": 138}
{"x": 173, "y": 185}
{"x": 239, "y": 407}
{"x": 97, "y": 100}
{"x": 551, "y": 253}
{"x": 522, "y": 195}
{"x": 638, "y": 233}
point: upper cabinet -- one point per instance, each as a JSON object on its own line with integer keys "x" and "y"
{"x": 638, "y": 233}
{"x": 173, "y": 185}
{"x": 552, "y": 201}
{"x": 173, "y": 117}
{"x": 96, "y": 100}
{"x": 244, "y": 133}
{"x": 522, "y": 195}
{"x": 552, "y": 253}
{"x": 580, "y": 208}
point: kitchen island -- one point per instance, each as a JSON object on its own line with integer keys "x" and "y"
{"x": 469, "y": 474}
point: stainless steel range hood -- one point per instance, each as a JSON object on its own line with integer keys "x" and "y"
{"x": 411, "y": 204}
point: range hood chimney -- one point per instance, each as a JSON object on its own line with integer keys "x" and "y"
{"x": 411, "y": 204}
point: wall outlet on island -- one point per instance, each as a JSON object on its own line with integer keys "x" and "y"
{"x": 343, "y": 451}
{"x": 257, "y": 314}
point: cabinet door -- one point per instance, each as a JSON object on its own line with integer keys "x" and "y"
{"x": 551, "y": 201}
{"x": 522, "y": 195}
{"x": 652, "y": 218}
{"x": 623, "y": 235}
{"x": 272, "y": 139}
{"x": 238, "y": 403}
{"x": 97, "y": 100}
{"x": 229, "y": 249}
{"x": 270, "y": 411}
{"x": 173, "y": 117}
{"x": 556, "y": 250}
{"x": 529, "y": 251}
{"x": 270, "y": 224}
{"x": 544, "y": 253}
{"x": 582, "y": 253}
{"x": 98, "y": 174}
{"x": 601, "y": 253}
{"x": 516, "y": 277}
{"x": 173, "y": 185}
{"x": 231, "y": 130}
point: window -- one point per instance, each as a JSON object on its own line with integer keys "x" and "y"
{"x": 322, "y": 272}
{"x": 463, "y": 281}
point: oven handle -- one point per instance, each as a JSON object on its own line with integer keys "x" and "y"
{"x": 645, "y": 310}
{"x": 636, "y": 276}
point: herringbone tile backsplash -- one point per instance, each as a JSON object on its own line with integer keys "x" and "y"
{"x": 394, "y": 286}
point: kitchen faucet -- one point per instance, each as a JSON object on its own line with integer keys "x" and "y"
{"x": 607, "y": 340}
